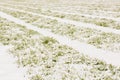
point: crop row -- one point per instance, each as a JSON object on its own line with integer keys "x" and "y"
{"x": 45, "y": 58}
{"x": 76, "y": 17}
{"x": 82, "y": 18}
{"x": 70, "y": 9}
{"x": 107, "y": 41}
{"x": 112, "y": 6}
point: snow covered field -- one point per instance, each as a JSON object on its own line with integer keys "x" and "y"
{"x": 61, "y": 40}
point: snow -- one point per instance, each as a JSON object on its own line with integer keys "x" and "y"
{"x": 75, "y": 13}
{"x": 78, "y": 24}
{"x": 107, "y": 56}
{"x": 87, "y": 15}
{"x": 8, "y": 67}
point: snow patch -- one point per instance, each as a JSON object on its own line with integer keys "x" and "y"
{"x": 8, "y": 67}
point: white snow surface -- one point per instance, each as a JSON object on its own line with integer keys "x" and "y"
{"x": 78, "y": 24}
{"x": 107, "y": 56}
{"x": 8, "y": 67}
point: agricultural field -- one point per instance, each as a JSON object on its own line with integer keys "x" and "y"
{"x": 63, "y": 40}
